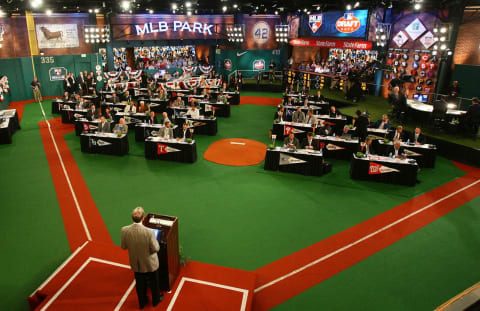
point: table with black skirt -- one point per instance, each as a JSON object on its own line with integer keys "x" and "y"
{"x": 233, "y": 97}
{"x": 384, "y": 169}
{"x": 83, "y": 125}
{"x": 117, "y": 107}
{"x": 69, "y": 115}
{"x": 337, "y": 124}
{"x": 57, "y": 105}
{"x": 299, "y": 129}
{"x": 425, "y": 154}
{"x": 144, "y": 130}
{"x": 336, "y": 147}
{"x": 201, "y": 125}
{"x": 157, "y": 105}
{"x": 221, "y": 109}
{"x": 9, "y": 124}
{"x": 302, "y": 161}
{"x": 170, "y": 149}
{"x": 94, "y": 99}
{"x": 103, "y": 94}
{"x": 104, "y": 143}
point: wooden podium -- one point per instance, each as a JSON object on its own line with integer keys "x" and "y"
{"x": 168, "y": 255}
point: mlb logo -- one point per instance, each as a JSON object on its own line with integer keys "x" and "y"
{"x": 315, "y": 22}
{"x": 348, "y": 16}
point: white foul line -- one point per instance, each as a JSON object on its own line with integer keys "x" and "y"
{"x": 60, "y": 267}
{"x": 182, "y": 281}
{"x": 361, "y": 239}
{"x": 124, "y": 297}
{"x": 70, "y": 280}
{"x": 87, "y": 232}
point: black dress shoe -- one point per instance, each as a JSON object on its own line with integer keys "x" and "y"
{"x": 145, "y": 303}
{"x": 155, "y": 303}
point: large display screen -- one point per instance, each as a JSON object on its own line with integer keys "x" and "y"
{"x": 169, "y": 27}
{"x": 349, "y": 24}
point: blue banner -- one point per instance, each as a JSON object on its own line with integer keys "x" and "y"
{"x": 349, "y": 24}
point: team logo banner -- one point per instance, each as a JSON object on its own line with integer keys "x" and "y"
{"x": 57, "y": 36}
{"x": 259, "y": 64}
{"x": 376, "y": 168}
{"x": 286, "y": 159}
{"x": 315, "y": 22}
{"x": 57, "y": 73}
{"x": 164, "y": 149}
{"x": 288, "y": 129}
{"x": 227, "y": 63}
{"x": 352, "y": 24}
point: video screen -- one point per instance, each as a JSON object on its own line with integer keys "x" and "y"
{"x": 423, "y": 98}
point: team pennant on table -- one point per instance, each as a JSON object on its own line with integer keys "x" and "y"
{"x": 286, "y": 159}
{"x": 88, "y": 126}
{"x": 324, "y": 122}
{"x": 163, "y": 149}
{"x": 99, "y": 142}
{"x": 376, "y": 168}
{"x": 333, "y": 147}
{"x": 411, "y": 153}
{"x": 289, "y": 129}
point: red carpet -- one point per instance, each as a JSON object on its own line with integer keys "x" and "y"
{"x": 236, "y": 152}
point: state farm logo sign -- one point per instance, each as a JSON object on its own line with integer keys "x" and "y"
{"x": 348, "y": 23}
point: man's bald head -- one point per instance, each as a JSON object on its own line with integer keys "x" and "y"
{"x": 137, "y": 214}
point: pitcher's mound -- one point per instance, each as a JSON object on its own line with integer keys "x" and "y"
{"x": 236, "y": 152}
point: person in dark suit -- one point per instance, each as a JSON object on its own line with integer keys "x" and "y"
{"x": 417, "y": 137}
{"x": 334, "y": 112}
{"x": 108, "y": 114}
{"x": 81, "y": 85}
{"x": 92, "y": 113}
{"x": 289, "y": 102}
{"x": 396, "y": 151}
{"x": 298, "y": 116}
{"x": 361, "y": 125}
{"x": 307, "y": 143}
{"x": 152, "y": 119}
{"x": 66, "y": 84}
{"x": 73, "y": 84}
{"x": 471, "y": 119}
{"x": 454, "y": 90}
{"x": 319, "y": 97}
{"x": 128, "y": 97}
{"x": 383, "y": 123}
{"x": 398, "y": 134}
{"x": 366, "y": 147}
{"x": 115, "y": 98}
{"x": 183, "y": 133}
{"x": 142, "y": 247}
{"x": 326, "y": 130}
{"x": 291, "y": 141}
{"x": 280, "y": 114}
{"x": 104, "y": 126}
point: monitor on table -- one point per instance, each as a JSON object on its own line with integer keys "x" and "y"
{"x": 423, "y": 98}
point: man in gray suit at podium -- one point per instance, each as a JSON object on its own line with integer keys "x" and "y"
{"x": 142, "y": 251}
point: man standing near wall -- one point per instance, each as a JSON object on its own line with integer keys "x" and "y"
{"x": 35, "y": 85}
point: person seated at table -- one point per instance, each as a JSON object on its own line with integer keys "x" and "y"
{"x": 280, "y": 114}
{"x": 319, "y": 97}
{"x": 104, "y": 126}
{"x": 114, "y": 99}
{"x": 326, "y": 130}
{"x": 290, "y": 101}
{"x": 291, "y": 141}
{"x": 162, "y": 94}
{"x": 130, "y": 108}
{"x": 305, "y": 103}
{"x": 121, "y": 127}
{"x": 298, "y": 116}
{"x": 142, "y": 108}
{"x": 366, "y": 147}
{"x": 193, "y": 112}
{"x": 92, "y": 113}
{"x": 334, "y": 112}
{"x": 345, "y": 134}
{"x": 222, "y": 98}
{"x": 128, "y": 97}
{"x": 471, "y": 119}
{"x": 152, "y": 118}
{"x": 195, "y": 91}
{"x": 81, "y": 104}
{"x": 183, "y": 133}
{"x": 178, "y": 102}
{"x": 166, "y": 131}
{"x": 310, "y": 118}
{"x": 383, "y": 123}
{"x": 149, "y": 94}
{"x": 307, "y": 143}
{"x": 66, "y": 97}
{"x": 398, "y": 134}
{"x": 107, "y": 113}
{"x": 417, "y": 137}
{"x": 76, "y": 98}
{"x": 304, "y": 91}
{"x": 396, "y": 151}
{"x": 165, "y": 118}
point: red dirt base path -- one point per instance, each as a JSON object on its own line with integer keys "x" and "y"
{"x": 236, "y": 152}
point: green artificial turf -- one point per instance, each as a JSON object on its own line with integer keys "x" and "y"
{"x": 33, "y": 237}
{"x": 419, "y": 272}
{"x": 229, "y": 213}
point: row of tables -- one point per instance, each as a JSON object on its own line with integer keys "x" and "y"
{"x": 9, "y": 124}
